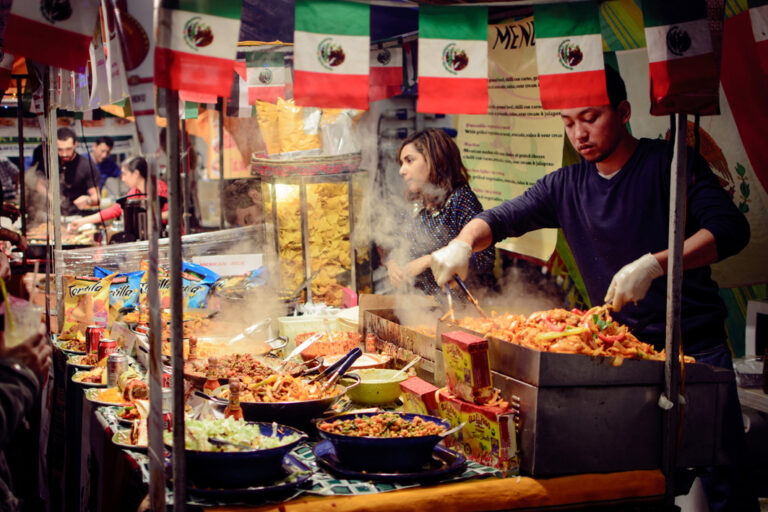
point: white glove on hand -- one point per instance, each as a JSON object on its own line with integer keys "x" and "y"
{"x": 631, "y": 283}
{"x": 450, "y": 260}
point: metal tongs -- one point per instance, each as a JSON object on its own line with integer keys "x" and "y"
{"x": 450, "y": 303}
{"x": 250, "y": 330}
{"x": 473, "y": 300}
{"x": 337, "y": 369}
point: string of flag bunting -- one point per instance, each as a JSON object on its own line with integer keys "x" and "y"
{"x": 333, "y": 63}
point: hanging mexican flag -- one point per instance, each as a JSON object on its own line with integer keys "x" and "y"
{"x": 386, "y": 79}
{"x": 569, "y": 53}
{"x": 196, "y": 45}
{"x": 758, "y": 13}
{"x": 683, "y": 71}
{"x": 331, "y": 44}
{"x": 266, "y": 76}
{"x": 453, "y": 60}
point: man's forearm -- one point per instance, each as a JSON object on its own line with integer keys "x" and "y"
{"x": 698, "y": 250}
{"x": 477, "y": 233}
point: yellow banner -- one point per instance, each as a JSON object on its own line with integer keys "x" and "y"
{"x": 518, "y": 142}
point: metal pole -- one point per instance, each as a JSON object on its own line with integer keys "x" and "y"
{"x": 220, "y": 108}
{"x": 22, "y": 184}
{"x": 54, "y": 190}
{"x": 305, "y": 248}
{"x": 352, "y": 248}
{"x": 177, "y": 325}
{"x": 674, "y": 286}
{"x": 156, "y": 450}
{"x": 184, "y": 176}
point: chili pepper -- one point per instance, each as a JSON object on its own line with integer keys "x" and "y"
{"x": 610, "y": 339}
{"x": 577, "y": 311}
{"x": 551, "y": 326}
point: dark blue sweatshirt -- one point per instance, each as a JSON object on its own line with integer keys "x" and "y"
{"x": 611, "y": 222}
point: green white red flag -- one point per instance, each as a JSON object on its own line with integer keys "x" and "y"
{"x": 386, "y": 78}
{"x": 265, "y": 76}
{"x": 196, "y": 45}
{"x": 758, "y": 13}
{"x": 569, "y": 54}
{"x": 237, "y": 103}
{"x": 331, "y": 60}
{"x": 453, "y": 60}
{"x": 683, "y": 70}
{"x": 55, "y": 33}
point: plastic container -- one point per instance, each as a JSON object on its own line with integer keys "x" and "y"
{"x": 749, "y": 371}
{"x": 290, "y": 326}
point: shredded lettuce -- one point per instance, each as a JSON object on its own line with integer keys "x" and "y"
{"x": 229, "y": 429}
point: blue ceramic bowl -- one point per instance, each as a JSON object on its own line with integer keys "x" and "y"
{"x": 384, "y": 454}
{"x": 238, "y": 470}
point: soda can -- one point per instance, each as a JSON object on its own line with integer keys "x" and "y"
{"x": 117, "y": 363}
{"x": 106, "y": 347}
{"x": 167, "y": 383}
{"x": 168, "y": 421}
{"x": 167, "y": 409}
{"x": 93, "y": 334}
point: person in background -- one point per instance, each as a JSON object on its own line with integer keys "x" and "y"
{"x": 613, "y": 208}
{"x": 242, "y": 203}
{"x": 134, "y": 174}
{"x": 79, "y": 184}
{"x": 9, "y": 210}
{"x": 21, "y": 368}
{"x": 437, "y": 181}
{"x": 99, "y": 156}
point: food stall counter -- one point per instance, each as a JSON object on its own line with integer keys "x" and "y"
{"x": 586, "y": 490}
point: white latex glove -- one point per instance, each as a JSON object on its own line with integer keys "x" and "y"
{"x": 631, "y": 283}
{"x": 450, "y": 260}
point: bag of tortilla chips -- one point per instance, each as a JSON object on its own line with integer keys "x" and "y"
{"x": 86, "y": 302}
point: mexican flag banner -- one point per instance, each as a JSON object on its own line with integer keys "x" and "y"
{"x": 386, "y": 78}
{"x": 266, "y": 76}
{"x": 758, "y": 13}
{"x": 54, "y": 33}
{"x": 331, "y": 44}
{"x": 196, "y": 45}
{"x": 453, "y": 60}
{"x": 683, "y": 72}
{"x": 569, "y": 54}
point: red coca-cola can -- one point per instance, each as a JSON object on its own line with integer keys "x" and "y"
{"x": 168, "y": 421}
{"x": 167, "y": 375}
{"x": 106, "y": 347}
{"x": 93, "y": 334}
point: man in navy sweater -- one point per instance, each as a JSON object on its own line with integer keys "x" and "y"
{"x": 613, "y": 208}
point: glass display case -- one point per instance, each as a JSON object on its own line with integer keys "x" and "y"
{"x": 316, "y": 226}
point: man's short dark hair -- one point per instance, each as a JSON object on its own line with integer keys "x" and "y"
{"x": 65, "y": 133}
{"x": 617, "y": 91}
{"x": 104, "y": 139}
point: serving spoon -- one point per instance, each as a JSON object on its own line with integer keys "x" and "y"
{"x": 454, "y": 429}
{"x": 221, "y": 442}
{"x": 395, "y": 375}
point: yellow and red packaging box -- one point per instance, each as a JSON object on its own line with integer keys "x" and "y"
{"x": 489, "y": 436}
{"x": 418, "y": 396}
{"x": 467, "y": 365}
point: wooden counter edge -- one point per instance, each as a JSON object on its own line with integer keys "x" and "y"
{"x": 487, "y": 494}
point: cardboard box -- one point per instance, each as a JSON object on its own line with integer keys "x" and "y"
{"x": 419, "y": 396}
{"x": 489, "y": 437}
{"x": 467, "y": 366}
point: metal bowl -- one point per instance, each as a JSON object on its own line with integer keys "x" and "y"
{"x": 291, "y": 413}
{"x": 242, "y": 469}
{"x": 384, "y": 454}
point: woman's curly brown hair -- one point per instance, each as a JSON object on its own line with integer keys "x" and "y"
{"x": 446, "y": 170}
